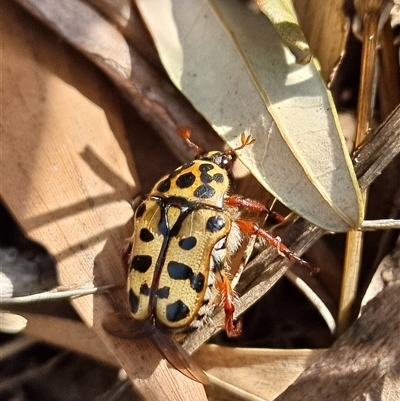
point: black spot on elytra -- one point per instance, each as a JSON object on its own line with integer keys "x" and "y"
{"x": 133, "y": 301}
{"x": 204, "y": 191}
{"x": 145, "y": 235}
{"x": 185, "y": 180}
{"x": 141, "y": 263}
{"x": 187, "y": 243}
{"x": 177, "y": 311}
{"x": 163, "y": 293}
{"x": 140, "y": 210}
{"x": 179, "y": 271}
{"x": 215, "y": 223}
{"x": 197, "y": 282}
{"x": 145, "y": 289}
{"x": 164, "y": 185}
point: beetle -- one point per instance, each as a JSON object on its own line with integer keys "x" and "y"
{"x": 177, "y": 259}
{"x": 184, "y": 235}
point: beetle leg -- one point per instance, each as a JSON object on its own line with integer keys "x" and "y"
{"x": 233, "y": 327}
{"x": 253, "y": 205}
{"x": 251, "y": 228}
{"x": 125, "y": 254}
{"x": 136, "y": 202}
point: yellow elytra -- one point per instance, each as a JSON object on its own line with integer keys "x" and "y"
{"x": 174, "y": 242}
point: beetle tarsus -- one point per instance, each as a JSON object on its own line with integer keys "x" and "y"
{"x": 233, "y": 327}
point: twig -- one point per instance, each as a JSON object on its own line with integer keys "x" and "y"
{"x": 384, "y": 224}
{"x": 367, "y": 351}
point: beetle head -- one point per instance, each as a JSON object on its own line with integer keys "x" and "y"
{"x": 221, "y": 159}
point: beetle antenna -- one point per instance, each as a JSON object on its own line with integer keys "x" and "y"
{"x": 184, "y": 132}
{"x": 246, "y": 141}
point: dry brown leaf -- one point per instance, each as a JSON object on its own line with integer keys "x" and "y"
{"x": 70, "y": 334}
{"x": 154, "y": 97}
{"x": 320, "y": 22}
{"x": 265, "y": 373}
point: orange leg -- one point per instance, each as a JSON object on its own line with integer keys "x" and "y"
{"x": 233, "y": 327}
{"x": 251, "y": 228}
{"x": 252, "y": 205}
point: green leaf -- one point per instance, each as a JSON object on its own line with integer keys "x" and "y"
{"x": 281, "y": 13}
{"x": 235, "y": 69}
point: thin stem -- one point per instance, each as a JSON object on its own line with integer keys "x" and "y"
{"x": 354, "y": 242}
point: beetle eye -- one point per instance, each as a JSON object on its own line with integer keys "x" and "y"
{"x": 226, "y": 162}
